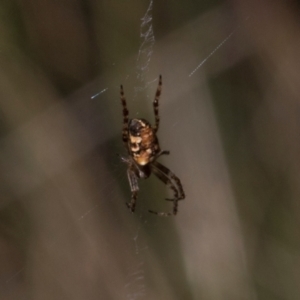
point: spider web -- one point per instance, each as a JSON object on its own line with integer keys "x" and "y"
{"x": 146, "y": 48}
{"x": 137, "y": 275}
{"x": 136, "y": 285}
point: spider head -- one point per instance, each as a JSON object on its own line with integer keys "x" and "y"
{"x": 136, "y": 126}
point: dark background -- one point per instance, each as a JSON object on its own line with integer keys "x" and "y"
{"x": 230, "y": 115}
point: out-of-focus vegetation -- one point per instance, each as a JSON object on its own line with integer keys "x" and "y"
{"x": 229, "y": 115}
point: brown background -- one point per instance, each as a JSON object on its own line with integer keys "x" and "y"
{"x": 230, "y": 115}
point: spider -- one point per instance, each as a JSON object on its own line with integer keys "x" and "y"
{"x": 141, "y": 142}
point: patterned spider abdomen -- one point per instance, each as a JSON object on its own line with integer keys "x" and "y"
{"x": 142, "y": 141}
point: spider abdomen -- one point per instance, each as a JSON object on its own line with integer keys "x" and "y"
{"x": 142, "y": 141}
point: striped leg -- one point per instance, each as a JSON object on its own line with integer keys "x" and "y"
{"x": 133, "y": 182}
{"x": 155, "y": 103}
{"x": 125, "y": 117}
{"x": 169, "y": 178}
{"x": 172, "y": 177}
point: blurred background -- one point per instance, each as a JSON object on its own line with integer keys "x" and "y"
{"x": 230, "y": 116}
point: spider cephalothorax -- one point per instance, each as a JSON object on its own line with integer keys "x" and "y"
{"x": 143, "y": 148}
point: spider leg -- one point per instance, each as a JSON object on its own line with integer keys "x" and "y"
{"x": 155, "y": 103}
{"x": 166, "y": 176}
{"x": 125, "y": 117}
{"x": 173, "y": 177}
{"x": 133, "y": 182}
{"x": 163, "y": 152}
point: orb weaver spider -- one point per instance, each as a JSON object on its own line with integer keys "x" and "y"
{"x": 141, "y": 142}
